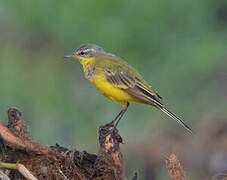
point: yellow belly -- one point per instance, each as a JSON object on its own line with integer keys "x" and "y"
{"x": 111, "y": 91}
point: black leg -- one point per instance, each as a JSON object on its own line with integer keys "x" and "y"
{"x": 120, "y": 115}
{"x": 116, "y": 118}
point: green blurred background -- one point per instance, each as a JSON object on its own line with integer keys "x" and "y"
{"x": 178, "y": 46}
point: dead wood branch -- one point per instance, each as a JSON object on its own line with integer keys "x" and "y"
{"x": 58, "y": 162}
{"x": 19, "y": 167}
{"x": 16, "y": 136}
{"x": 3, "y": 176}
{"x": 175, "y": 170}
{"x": 25, "y": 172}
{"x": 109, "y": 154}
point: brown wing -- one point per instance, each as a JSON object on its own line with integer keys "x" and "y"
{"x": 136, "y": 88}
{"x": 133, "y": 86}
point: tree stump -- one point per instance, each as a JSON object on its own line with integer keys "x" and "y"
{"x": 58, "y": 162}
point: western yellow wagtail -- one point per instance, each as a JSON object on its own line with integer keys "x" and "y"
{"x": 118, "y": 80}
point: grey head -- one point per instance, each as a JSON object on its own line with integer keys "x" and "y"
{"x": 89, "y": 50}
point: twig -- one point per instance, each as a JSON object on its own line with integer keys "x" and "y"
{"x": 64, "y": 176}
{"x": 3, "y": 176}
{"x": 17, "y": 143}
{"x": 19, "y": 167}
{"x": 16, "y": 124}
{"x": 16, "y": 135}
{"x": 175, "y": 170}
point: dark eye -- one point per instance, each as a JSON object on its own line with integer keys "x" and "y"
{"x": 82, "y": 53}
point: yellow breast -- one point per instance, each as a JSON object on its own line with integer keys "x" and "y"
{"x": 111, "y": 91}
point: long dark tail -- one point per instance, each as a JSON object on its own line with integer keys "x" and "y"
{"x": 174, "y": 117}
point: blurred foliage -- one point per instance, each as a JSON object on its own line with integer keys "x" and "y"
{"x": 179, "y": 46}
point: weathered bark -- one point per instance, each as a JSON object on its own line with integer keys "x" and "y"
{"x": 175, "y": 170}
{"x": 58, "y": 162}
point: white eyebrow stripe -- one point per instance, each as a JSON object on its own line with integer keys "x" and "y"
{"x": 86, "y": 50}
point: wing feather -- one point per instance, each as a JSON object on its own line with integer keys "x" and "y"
{"x": 137, "y": 88}
{"x": 132, "y": 85}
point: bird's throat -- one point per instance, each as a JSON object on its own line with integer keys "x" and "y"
{"x": 86, "y": 62}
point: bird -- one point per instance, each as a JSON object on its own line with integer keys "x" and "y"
{"x": 118, "y": 81}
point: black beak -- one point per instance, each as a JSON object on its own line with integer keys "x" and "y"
{"x": 69, "y": 55}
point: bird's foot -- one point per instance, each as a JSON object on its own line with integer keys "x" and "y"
{"x": 110, "y": 129}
